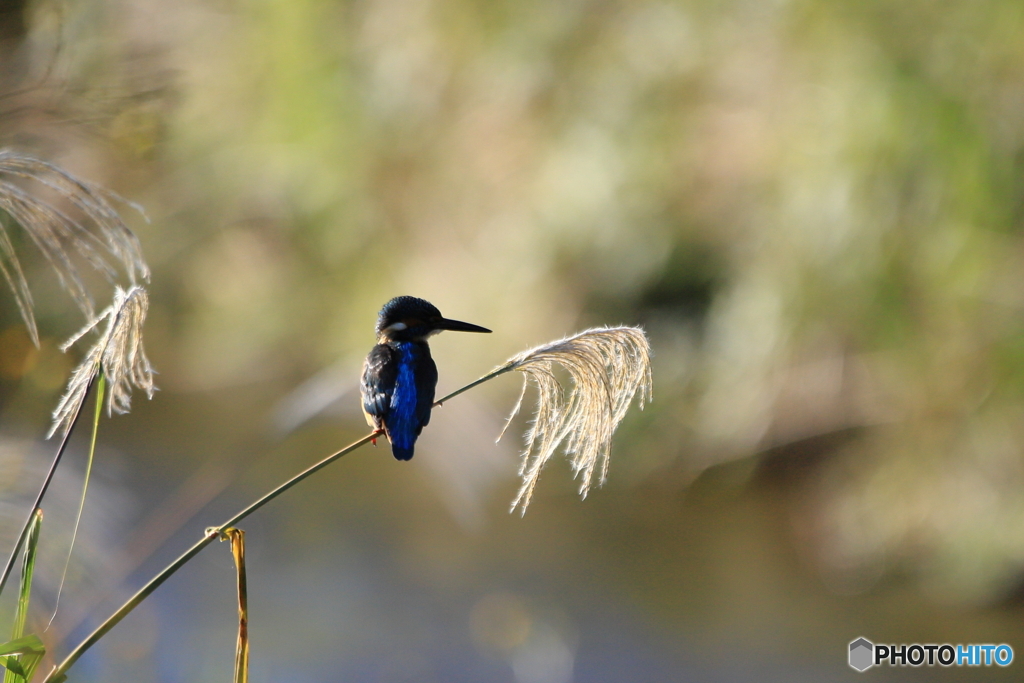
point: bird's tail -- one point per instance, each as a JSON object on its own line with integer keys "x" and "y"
{"x": 401, "y": 453}
{"x": 402, "y": 448}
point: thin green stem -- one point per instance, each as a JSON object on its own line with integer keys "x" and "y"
{"x": 500, "y": 370}
{"x": 212, "y": 533}
{"x": 27, "y": 662}
{"x": 42, "y": 490}
{"x": 253, "y": 507}
{"x": 27, "y": 569}
{"x": 100, "y": 390}
{"x": 59, "y": 673}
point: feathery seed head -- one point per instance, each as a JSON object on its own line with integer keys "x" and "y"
{"x": 102, "y": 238}
{"x": 118, "y": 354}
{"x": 608, "y": 367}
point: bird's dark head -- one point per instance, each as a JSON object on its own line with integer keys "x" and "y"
{"x": 406, "y": 318}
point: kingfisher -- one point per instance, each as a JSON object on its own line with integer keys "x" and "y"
{"x": 399, "y": 376}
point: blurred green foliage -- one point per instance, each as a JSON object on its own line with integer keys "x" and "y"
{"x": 815, "y": 208}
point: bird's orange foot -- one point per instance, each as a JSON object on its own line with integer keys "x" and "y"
{"x": 373, "y": 441}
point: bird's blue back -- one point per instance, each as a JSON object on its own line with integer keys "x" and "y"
{"x": 398, "y": 392}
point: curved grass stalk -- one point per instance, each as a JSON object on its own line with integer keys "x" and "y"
{"x": 100, "y": 389}
{"x": 609, "y": 366}
{"x": 59, "y": 672}
{"x": 72, "y": 421}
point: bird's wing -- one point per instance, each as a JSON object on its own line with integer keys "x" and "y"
{"x": 426, "y": 382}
{"x": 380, "y": 371}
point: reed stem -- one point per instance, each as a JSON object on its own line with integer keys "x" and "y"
{"x": 59, "y": 672}
{"x": 42, "y": 489}
{"x": 212, "y": 533}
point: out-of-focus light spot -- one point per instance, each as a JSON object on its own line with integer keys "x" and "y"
{"x": 401, "y": 50}
{"x": 137, "y": 129}
{"x": 576, "y": 188}
{"x": 241, "y": 268}
{"x": 50, "y": 371}
{"x": 499, "y": 621}
{"x": 537, "y": 651}
{"x": 545, "y": 658}
{"x": 17, "y": 354}
{"x": 659, "y": 40}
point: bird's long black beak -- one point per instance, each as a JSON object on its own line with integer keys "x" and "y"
{"x": 457, "y": 326}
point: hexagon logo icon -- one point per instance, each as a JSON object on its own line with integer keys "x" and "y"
{"x": 862, "y": 654}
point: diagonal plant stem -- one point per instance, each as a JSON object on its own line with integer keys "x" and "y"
{"x": 500, "y": 370}
{"x": 59, "y": 673}
{"x": 42, "y": 490}
{"x": 101, "y": 388}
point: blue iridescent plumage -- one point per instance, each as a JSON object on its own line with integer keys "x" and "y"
{"x": 399, "y": 376}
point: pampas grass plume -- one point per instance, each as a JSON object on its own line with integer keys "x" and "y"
{"x": 102, "y": 238}
{"x": 118, "y": 354}
{"x": 608, "y": 367}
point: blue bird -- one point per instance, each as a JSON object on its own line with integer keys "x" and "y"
{"x": 399, "y": 376}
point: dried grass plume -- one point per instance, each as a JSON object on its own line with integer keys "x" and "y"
{"x": 100, "y": 237}
{"x": 608, "y": 367}
{"x": 118, "y": 353}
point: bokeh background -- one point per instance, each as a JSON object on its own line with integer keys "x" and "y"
{"x": 815, "y": 209}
